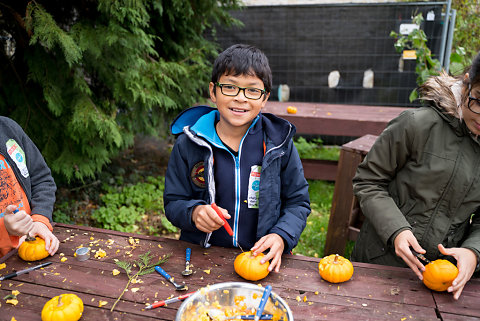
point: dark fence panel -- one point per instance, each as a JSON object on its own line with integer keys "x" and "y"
{"x": 305, "y": 43}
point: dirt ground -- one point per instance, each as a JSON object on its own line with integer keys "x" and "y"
{"x": 147, "y": 157}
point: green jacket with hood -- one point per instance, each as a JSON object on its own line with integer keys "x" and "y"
{"x": 422, "y": 174}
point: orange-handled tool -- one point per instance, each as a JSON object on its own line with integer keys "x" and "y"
{"x": 226, "y": 225}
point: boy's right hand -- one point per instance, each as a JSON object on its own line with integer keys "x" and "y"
{"x": 17, "y": 224}
{"x": 206, "y": 219}
{"x": 403, "y": 242}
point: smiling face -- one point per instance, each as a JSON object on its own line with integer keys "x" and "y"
{"x": 238, "y": 112}
{"x": 472, "y": 120}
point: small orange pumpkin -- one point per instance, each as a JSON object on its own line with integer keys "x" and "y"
{"x": 335, "y": 268}
{"x": 68, "y": 307}
{"x": 33, "y": 250}
{"x": 249, "y": 267}
{"x": 291, "y": 109}
{"x": 439, "y": 275}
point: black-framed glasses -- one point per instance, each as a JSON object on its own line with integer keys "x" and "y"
{"x": 473, "y": 103}
{"x": 234, "y": 90}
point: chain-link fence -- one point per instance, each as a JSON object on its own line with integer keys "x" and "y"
{"x": 337, "y": 53}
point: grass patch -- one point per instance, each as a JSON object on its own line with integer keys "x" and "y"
{"x": 312, "y": 240}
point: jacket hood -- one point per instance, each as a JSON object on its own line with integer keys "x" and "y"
{"x": 199, "y": 117}
{"x": 443, "y": 93}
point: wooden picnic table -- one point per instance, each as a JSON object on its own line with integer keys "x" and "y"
{"x": 335, "y": 119}
{"x": 374, "y": 293}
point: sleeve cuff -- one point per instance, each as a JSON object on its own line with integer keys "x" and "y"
{"x": 42, "y": 219}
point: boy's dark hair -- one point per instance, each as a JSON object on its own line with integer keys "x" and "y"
{"x": 474, "y": 71}
{"x": 243, "y": 59}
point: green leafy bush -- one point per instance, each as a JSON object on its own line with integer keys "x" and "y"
{"x": 126, "y": 208}
{"x": 315, "y": 149}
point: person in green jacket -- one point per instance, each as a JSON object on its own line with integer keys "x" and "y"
{"x": 419, "y": 186}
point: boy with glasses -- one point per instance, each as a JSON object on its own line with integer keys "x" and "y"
{"x": 240, "y": 159}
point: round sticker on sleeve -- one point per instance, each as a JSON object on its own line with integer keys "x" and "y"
{"x": 198, "y": 175}
{"x": 18, "y": 156}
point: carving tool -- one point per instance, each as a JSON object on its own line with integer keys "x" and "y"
{"x": 14, "y": 274}
{"x": 226, "y": 225}
{"x": 167, "y": 276}
{"x": 168, "y": 301}
{"x": 188, "y": 271}
{"x": 420, "y": 256}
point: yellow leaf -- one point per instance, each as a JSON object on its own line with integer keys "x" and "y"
{"x": 102, "y": 303}
{"x": 298, "y": 298}
{"x": 207, "y": 271}
{"x": 100, "y": 253}
{"x": 135, "y": 289}
{"x": 13, "y": 319}
{"x": 115, "y": 272}
{"x": 63, "y": 259}
{"x": 305, "y": 298}
{"x": 12, "y": 301}
{"x": 15, "y": 292}
{"x": 2, "y": 266}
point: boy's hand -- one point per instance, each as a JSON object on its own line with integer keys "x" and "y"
{"x": 206, "y": 219}
{"x": 17, "y": 224}
{"x": 274, "y": 242}
{"x": 51, "y": 241}
{"x": 403, "y": 242}
{"x": 466, "y": 263}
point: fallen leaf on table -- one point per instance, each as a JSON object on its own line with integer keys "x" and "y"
{"x": 100, "y": 253}
{"x": 15, "y": 292}
{"x": 115, "y": 272}
{"x": 2, "y": 266}
{"x": 102, "y": 303}
{"x": 135, "y": 289}
{"x": 298, "y": 298}
{"x": 12, "y": 301}
{"x": 13, "y": 319}
{"x": 207, "y": 271}
{"x": 63, "y": 259}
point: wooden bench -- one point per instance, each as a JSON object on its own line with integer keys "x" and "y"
{"x": 333, "y": 120}
{"x": 346, "y": 218}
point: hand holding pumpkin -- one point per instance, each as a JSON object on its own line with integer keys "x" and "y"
{"x": 51, "y": 241}
{"x": 275, "y": 243}
{"x": 466, "y": 263}
{"x": 249, "y": 267}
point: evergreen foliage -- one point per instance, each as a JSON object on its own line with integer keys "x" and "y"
{"x": 83, "y": 77}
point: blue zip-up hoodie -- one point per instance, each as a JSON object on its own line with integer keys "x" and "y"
{"x": 283, "y": 200}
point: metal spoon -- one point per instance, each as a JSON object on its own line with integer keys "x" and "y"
{"x": 219, "y": 315}
{"x": 167, "y": 276}
{"x": 187, "y": 271}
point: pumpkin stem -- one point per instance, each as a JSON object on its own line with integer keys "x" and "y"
{"x": 60, "y": 303}
{"x": 335, "y": 260}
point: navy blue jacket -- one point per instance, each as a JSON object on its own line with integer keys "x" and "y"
{"x": 284, "y": 203}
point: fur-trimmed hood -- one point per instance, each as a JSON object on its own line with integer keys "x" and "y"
{"x": 443, "y": 92}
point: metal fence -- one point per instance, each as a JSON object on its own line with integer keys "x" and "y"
{"x": 306, "y": 43}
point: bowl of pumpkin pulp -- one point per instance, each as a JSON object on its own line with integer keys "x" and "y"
{"x": 232, "y": 299}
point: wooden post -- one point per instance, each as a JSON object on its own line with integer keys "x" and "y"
{"x": 343, "y": 202}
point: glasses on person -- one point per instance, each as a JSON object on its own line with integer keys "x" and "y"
{"x": 473, "y": 103}
{"x": 234, "y": 90}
